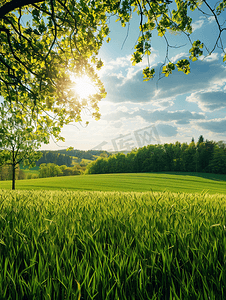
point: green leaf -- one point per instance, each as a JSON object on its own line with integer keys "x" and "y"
{"x": 69, "y": 149}
{"x": 167, "y": 70}
{"x": 148, "y": 74}
{"x": 184, "y": 66}
{"x": 224, "y": 58}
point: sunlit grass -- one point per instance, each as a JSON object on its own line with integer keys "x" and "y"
{"x": 139, "y": 182}
{"x": 112, "y": 245}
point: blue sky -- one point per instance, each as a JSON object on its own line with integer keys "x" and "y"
{"x": 171, "y": 109}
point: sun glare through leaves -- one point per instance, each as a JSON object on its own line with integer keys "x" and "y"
{"x": 84, "y": 87}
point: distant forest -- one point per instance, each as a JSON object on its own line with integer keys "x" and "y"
{"x": 203, "y": 156}
{"x": 56, "y": 163}
{"x": 64, "y": 157}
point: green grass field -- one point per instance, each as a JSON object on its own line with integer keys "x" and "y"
{"x": 146, "y": 236}
{"x": 140, "y": 182}
{"x": 112, "y": 246}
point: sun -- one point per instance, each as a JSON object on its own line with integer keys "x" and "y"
{"x": 84, "y": 87}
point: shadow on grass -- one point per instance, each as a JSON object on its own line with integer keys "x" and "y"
{"x": 211, "y": 176}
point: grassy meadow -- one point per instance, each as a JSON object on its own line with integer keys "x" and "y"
{"x": 114, "y": 237}
{"x": 137, "y": 182}
{"x": 112, "y": 245}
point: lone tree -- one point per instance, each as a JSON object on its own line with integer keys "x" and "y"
{"x": 42, "y": 42}
{"x": 19, "y": 140}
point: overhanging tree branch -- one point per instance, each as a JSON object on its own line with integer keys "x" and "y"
{"x": 14, "y": 4}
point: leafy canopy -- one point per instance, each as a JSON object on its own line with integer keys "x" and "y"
{"x": 19, "y": 140}
{"x": 41, "y": 45}
{"x": 42, "y": 42}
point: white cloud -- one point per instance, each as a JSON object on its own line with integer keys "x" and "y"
{"x": 122, "y": 108}
{"x": 211, "y": 19}
{"x": 163, "y": 103}
{"x": 118, "y": 124}
{"x": 153, "y": 116}
{"x": 197, "y": 25}
{"x": 119, "y": 62}
{"x": 166, "y": 130}
{"x": 205, "y": 75}
{"x": 124, "y": 65}
{"x": 209, "y": 58}
{"x": 209, "y": 101}
{"x": 214, "y": 125}
{"x": 179, "y": 56}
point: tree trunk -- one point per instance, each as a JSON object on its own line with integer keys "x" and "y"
{"x": 13, "y": 170}
{"x": 14, "y": 176}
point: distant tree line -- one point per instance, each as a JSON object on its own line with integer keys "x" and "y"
{"x": 54, "y": 158}
{"x": 45, "y": 170}
{"x": 203, "y": 156}
{"x": 54, "y": 163}
{"x": 64, "y": 157}
{"x": 81, "y": 154}
{"x": 53, "y": 170}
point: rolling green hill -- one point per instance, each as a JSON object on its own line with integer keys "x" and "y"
{"x": 140, "y": 182}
